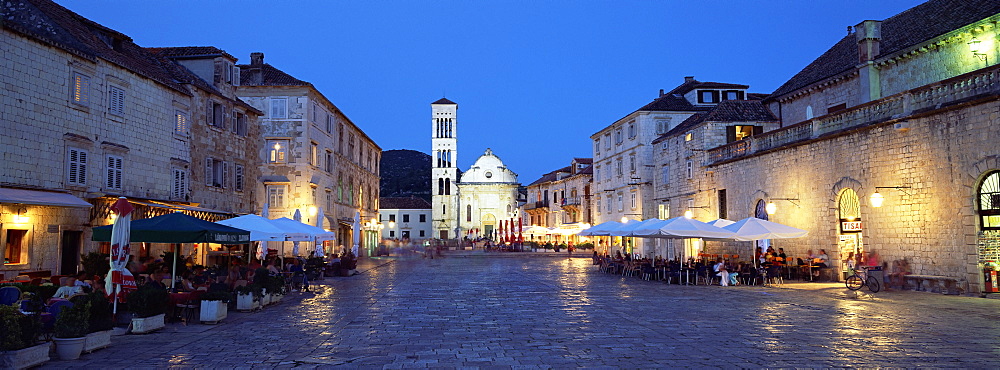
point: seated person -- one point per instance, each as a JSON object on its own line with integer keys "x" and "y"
{"x": 68, "y": 288}
{"x": 819, "y": 262}
{"x": 82, "y": 283}
{"x": 897, "y": 278}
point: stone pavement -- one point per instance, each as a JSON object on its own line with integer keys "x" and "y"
{"x": 532, "y": 312}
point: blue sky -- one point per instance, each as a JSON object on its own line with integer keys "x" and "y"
{"x": 533, "y": 79}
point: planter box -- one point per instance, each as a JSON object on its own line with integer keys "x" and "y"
{"x": 97, "y": 340}
{"x": 213, "y": 311}
{"x": 245, "y": 302}
{"x": 25, "y": 358}
{"x": 277, "y": 298}
{"x": 147, "y": 324}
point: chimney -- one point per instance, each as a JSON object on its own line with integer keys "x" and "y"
{"x": 688, "y": 79}
{"x": 661, "y": 92}
{"x": 256, "y": 58}
{"x": 868, "y": 34}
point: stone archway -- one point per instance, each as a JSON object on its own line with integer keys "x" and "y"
{"x": 488, "y": 225}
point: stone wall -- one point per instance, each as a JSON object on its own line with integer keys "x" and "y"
{"x": 932, "y": 224}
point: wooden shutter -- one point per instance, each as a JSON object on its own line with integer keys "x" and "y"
{"x": 208, "y": 172}
{"x": 225, "y": 174}
{"x": 730, "y": 134}
{"x": 238, "y": 183}
{"x": 236, "y": 75}
{"x": 209, "y": 113}
{"x": 757, "y": 130}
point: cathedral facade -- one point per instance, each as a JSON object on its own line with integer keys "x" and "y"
{"x": 476, "y": 204}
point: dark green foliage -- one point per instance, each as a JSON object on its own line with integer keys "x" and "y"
{"x": 217, "y": 296}
{"x": 405, "y": 173}
{"x": 256, "y": 289}
{"x": 10, "y": 329}
{"x": 73, "y": 322}
{"x": 148, "y": 301}
{"x": 95, "y": 263}
{"x": 100, "y": 311}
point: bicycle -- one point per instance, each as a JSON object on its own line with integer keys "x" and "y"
{"x": 862, "y": 279}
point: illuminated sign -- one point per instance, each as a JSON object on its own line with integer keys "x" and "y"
{"x": 850, "y": 226}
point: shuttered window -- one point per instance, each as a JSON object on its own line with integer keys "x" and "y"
{"x": 114, "y": 172}
{"x": 279, "y": 107}
{"x": 179, "y": 190}
{"x": 116, "y": 100}
{"x": 81, "y": 89}
{"x": 181, "y": 123}
{"x": 238, "y": 180}
{"x": 77, "y": 167}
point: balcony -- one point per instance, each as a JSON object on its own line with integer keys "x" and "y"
{"x": 536, "y": 205}
{"x": 933, "y": 96}
{"x": 572, "y": 201}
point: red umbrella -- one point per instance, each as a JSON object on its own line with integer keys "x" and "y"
{"x": 121, "y": 281}
{"x": 520, "y": 229}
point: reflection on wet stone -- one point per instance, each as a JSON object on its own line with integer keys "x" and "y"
{"x": 558, "y": 312}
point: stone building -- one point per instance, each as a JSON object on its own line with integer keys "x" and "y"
{"x": 682, "y": 186}
{"x": 405, "y": 218}
{"x": 623, "y": 158}
{"x": 891, "y": 113}
{"x": 87, "y": 115}
{"x": 315, "y": 159}
{"x": 487, "y": 197}
{"x": 484, "y": 197}
{"x": 569, "y": 189}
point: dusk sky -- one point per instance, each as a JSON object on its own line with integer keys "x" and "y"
{"x": 533, "y": 79}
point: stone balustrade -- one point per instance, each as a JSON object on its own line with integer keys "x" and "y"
{"x": 932, "y": 96}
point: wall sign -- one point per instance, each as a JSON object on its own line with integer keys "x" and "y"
{"x": 850, "y": 226}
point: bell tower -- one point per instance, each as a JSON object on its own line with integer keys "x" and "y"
{"x": 444, "y": 169}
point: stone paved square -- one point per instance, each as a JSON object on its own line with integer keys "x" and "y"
{"x": 501, "y": 311}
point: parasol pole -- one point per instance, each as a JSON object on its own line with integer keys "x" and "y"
{"x": 173, "y": 275}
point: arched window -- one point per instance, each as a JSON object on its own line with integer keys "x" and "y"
{"x": 849, "y": 206}
{"x": 447, "y": 186}
{"x": 989, "y": 201}
{"x": 440, "y": 186}
{"x": 760, "y": 211}
{"x": 468, "y": 213}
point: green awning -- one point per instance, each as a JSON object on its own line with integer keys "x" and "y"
{"x": 177, "y": 228}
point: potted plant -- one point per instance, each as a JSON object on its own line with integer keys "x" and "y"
{"x": 71, "y": 331}
{"x": 248, "y": 297}
{"x": 275, "y": 288}
{"x": 101, "y": 322}
{"x": 148, "y": 303}
{"x": 214, "y": 306}
{"x": 95, "y": 263}
{"x": 19, "y": 348}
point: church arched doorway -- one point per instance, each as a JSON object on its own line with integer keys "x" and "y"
{"x": 849, "y": 243}
{"x": 489, "y": 224}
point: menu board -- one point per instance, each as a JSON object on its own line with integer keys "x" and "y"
{"x": 989, "y": 246}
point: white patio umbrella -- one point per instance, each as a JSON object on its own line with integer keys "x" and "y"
{"x": 601, "y": 229}
{"x": 753, "y": 228}
{"x": 319, "y": 223}
{"x": 628, "y": 228}
{"x": 356, "y": 231}
{"x": 682, "y": 227}
{"x": 295, "y": 244}
{"x": 262, "y": 247}
{"x": 260, "y": 228}
{"x": 302, "y": 232}
{"x": 121, "y": 281}
{"x": 721, "y": 222}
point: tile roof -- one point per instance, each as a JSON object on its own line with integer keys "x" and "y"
{"x": 50, "y": 23}
{"x": 191, "y": 51}
{"x": 674, "y": 99}
{"x": 584, "y": 160}
{"x": 901, "y": 31}
{"x": 185, "y": 76}
{"x": 444, "y": 101}
{"x": 725, "y": 111}
{"x": 266, "y": 75}
{"x": 403, "y": 203}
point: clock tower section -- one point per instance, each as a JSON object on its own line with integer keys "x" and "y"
{"x": 444, "y": 169}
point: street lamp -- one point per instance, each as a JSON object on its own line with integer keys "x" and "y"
{"x": 877, "y": 199}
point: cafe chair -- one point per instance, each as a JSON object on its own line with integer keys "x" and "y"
{"x": 773, "y": 276}
{"x": 9, "y": 295}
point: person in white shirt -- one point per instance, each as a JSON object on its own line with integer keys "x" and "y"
{"x": 68, "y": 289}
{"x": 722, "y": 272}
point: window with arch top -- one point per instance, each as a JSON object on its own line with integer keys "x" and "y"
{"x": 988, "y": 202}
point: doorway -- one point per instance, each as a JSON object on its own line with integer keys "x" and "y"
{"x": 70, "y": 251}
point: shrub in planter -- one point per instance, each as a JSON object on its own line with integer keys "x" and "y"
{"x": 19, "y": 346}
{"x": 253, "y": 289}
{"x": 73, "y": 322}
{"x": 148, "y": 301}
{"x": 100, "y": 311}
{"x": 217, "y": 295}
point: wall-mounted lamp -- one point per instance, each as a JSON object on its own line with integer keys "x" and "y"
{"x": 392, "y": 224}
{"x": 877, "y": 199}
{"x": 772, "y": 208}
{"x": 624, "y": 219}
{"x": 311, "y": 210}
{"x": 688, "y": 214}
{"x": 975, "y": 46}
{"x": 20, "y": 217}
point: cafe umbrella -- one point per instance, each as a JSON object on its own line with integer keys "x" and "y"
{"x": 295, "y": 244}
{"x": 319, "y": 223}
{"x": 176, "y": 228}
{"x": 121, "y": 281}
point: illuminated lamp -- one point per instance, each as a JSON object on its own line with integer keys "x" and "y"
{"x": 876, "y": 199}
{"x": 771, "y": 208}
